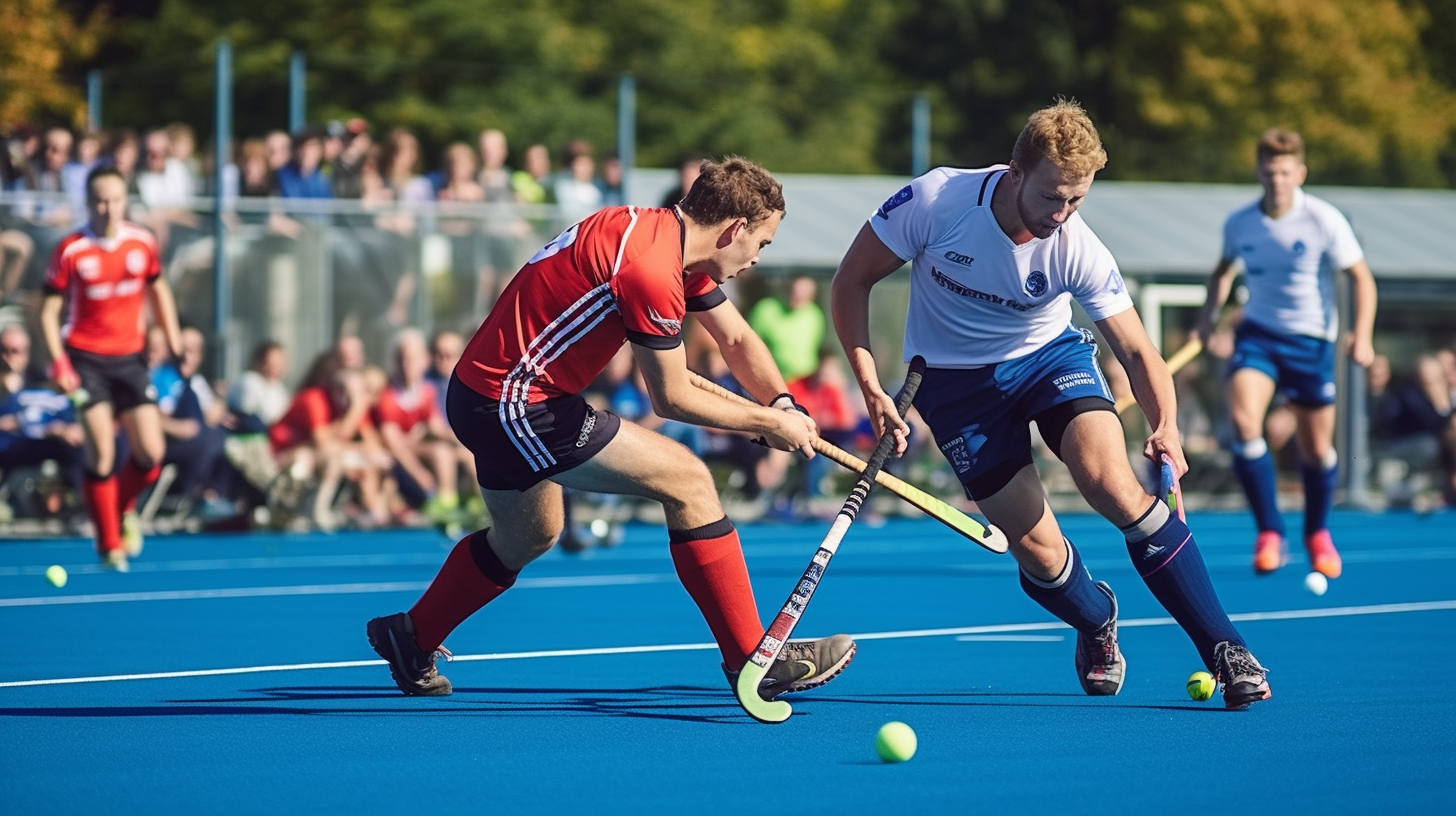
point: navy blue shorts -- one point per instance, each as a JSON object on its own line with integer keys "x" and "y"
{"x": 982, "y": 417}
{"x": 518, "y": 452}
{"x": 1302, "y": 367}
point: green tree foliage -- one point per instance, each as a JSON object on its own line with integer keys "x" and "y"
{"x": 1197, "y": 81}
{"x": 39, "y": 42}
{"x": 1179, "y": 88}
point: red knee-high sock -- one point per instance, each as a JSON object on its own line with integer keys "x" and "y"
{"x": 101, "y": 500}
{"x": 131, "y": 482}
{"x": 709, "y": 562}
{"x": 472, "y": 577}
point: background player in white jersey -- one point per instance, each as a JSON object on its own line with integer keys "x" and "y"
{"x": 996, "y": 256}
{"x": 1291, "y": 245}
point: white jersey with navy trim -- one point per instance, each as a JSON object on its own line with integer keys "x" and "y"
{"x": 1290, "y": 263}
{"x": 976, "y": 298}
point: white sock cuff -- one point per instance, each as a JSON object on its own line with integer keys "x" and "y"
{"x": 1331, "y": 459}
{"x": 1061, "y": 578}
{"x": 1253, "y": 449}
{"x": 1151, "y": 522}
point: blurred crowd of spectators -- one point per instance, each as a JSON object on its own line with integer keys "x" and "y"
{"x": 352, "y": 442}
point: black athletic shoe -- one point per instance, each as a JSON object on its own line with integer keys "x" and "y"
{"x": 1100, "y": 664}
{"x": 1244, "y": 681}
{"x": 393, "y": 637}
{"x": 802, "y": 665}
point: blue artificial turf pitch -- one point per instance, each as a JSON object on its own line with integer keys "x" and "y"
{"x": 230, "y": 674}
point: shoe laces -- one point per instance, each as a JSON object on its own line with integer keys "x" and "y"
{"x": 1101, "y": 648}
{"x": 1240, "y": 664}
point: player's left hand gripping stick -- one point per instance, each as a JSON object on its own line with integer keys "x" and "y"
{"x": 746, "y": 689}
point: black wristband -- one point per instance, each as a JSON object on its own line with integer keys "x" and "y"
{"x": 793, "y": 403}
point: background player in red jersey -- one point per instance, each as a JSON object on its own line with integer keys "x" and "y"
{"x": 631, "y": 274}
{"x": 103, "y": 275}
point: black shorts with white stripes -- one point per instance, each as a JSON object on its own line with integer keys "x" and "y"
{"x": 517, "y": 446}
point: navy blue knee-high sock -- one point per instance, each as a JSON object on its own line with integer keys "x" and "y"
{"x": 1071, "y": 596}
{"x": 1257, "y": 477}
{"x": 1319, "y": 495}
{"x": 1167, "y": 558}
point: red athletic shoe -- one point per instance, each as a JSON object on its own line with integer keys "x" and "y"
{"x": 1323, "y": 557}
{"x": 1268, "y": 552}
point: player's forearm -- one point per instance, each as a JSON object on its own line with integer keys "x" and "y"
{"x": 1365, "y": 300}
{"x": 849, "y": 302}
{"x": 1153, "y": 387}
{"x": 164, "y": 306}
{"x": 1220, "y": 284}
{"x": 50, "y": 325}
{"x": 698, "y": 407}
{"x": 753, "y": 366}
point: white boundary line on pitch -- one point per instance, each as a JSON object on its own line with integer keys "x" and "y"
{"x": 1292, "y": 614}
{"x": 327, "y": 589}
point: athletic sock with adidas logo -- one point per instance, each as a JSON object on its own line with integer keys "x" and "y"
{"x": 1166, "y": 556}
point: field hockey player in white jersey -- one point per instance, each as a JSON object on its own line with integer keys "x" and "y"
{"x": 997, "y": 254}
{"x": 1290, "y": 244}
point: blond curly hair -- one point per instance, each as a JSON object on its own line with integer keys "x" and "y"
{"x": 1063, "y": 134}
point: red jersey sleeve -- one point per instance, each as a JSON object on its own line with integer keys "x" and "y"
{"x": 651, "y": 296}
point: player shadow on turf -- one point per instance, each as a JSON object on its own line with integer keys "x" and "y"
{"x": 623, "y": 702}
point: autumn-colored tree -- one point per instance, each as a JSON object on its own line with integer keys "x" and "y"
{"x": 1196, "y": 82}
{"x": 42, "y": 44}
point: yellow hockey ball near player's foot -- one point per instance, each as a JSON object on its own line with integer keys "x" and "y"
{"x": 896, "y": 742}
{"x": 56, "y": 574}
{"x": 1201, "y": 685}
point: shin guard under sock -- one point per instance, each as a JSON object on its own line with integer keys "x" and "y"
{"x": 1071, "y": 596}
{"x": 471, "y": 577}
{"x": 1166, "y": 556}
{"x": 709, "y": 562}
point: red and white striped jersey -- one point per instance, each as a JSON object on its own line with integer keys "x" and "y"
{"x": 105, "y": 282}
{"x": 618, "y": 275}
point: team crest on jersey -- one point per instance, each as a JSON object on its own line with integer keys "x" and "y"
{"x": 136, "y": 261}
{"x": 1036, "y": 283}
{"x": 667, "y": 324}
{"x": 1115, "y": 284}
{"x": 894, "y": 201}
{"x": 88, "y": 267}
{"x": 1298, "y": 248}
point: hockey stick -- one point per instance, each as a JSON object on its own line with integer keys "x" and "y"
{"x": 746, "y": 689}
{"x": 1169, "y": 489}
{"x": 1180, "y": 358}
{"x": 988, "y": 536}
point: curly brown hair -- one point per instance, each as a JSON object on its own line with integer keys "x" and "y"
{"x": 733, "y": 188}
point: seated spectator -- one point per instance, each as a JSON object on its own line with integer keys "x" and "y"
{"x": 196, "y": 423}
{"x": 1411, "y": 418}
{"x": 614, "y": 194}
{"x": 400, "y": 166}
{"x": 841, "y": 419}
{"x": 688, "y": 168}
{"x": 575, "y": 188}
{"x": 260, "y": 397}
{"x": 326, "y": 434}
{"x": 495, "y": 176}
{"x": 445, "y": 349}
{"x": 37, "y": 425}
{"x": 346, "y": 168}
{"x": 532, "y": 182}
{"x": 302, "y": 177}
{"x": 123, "y": 151}
{"x": 427, "y": 456}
